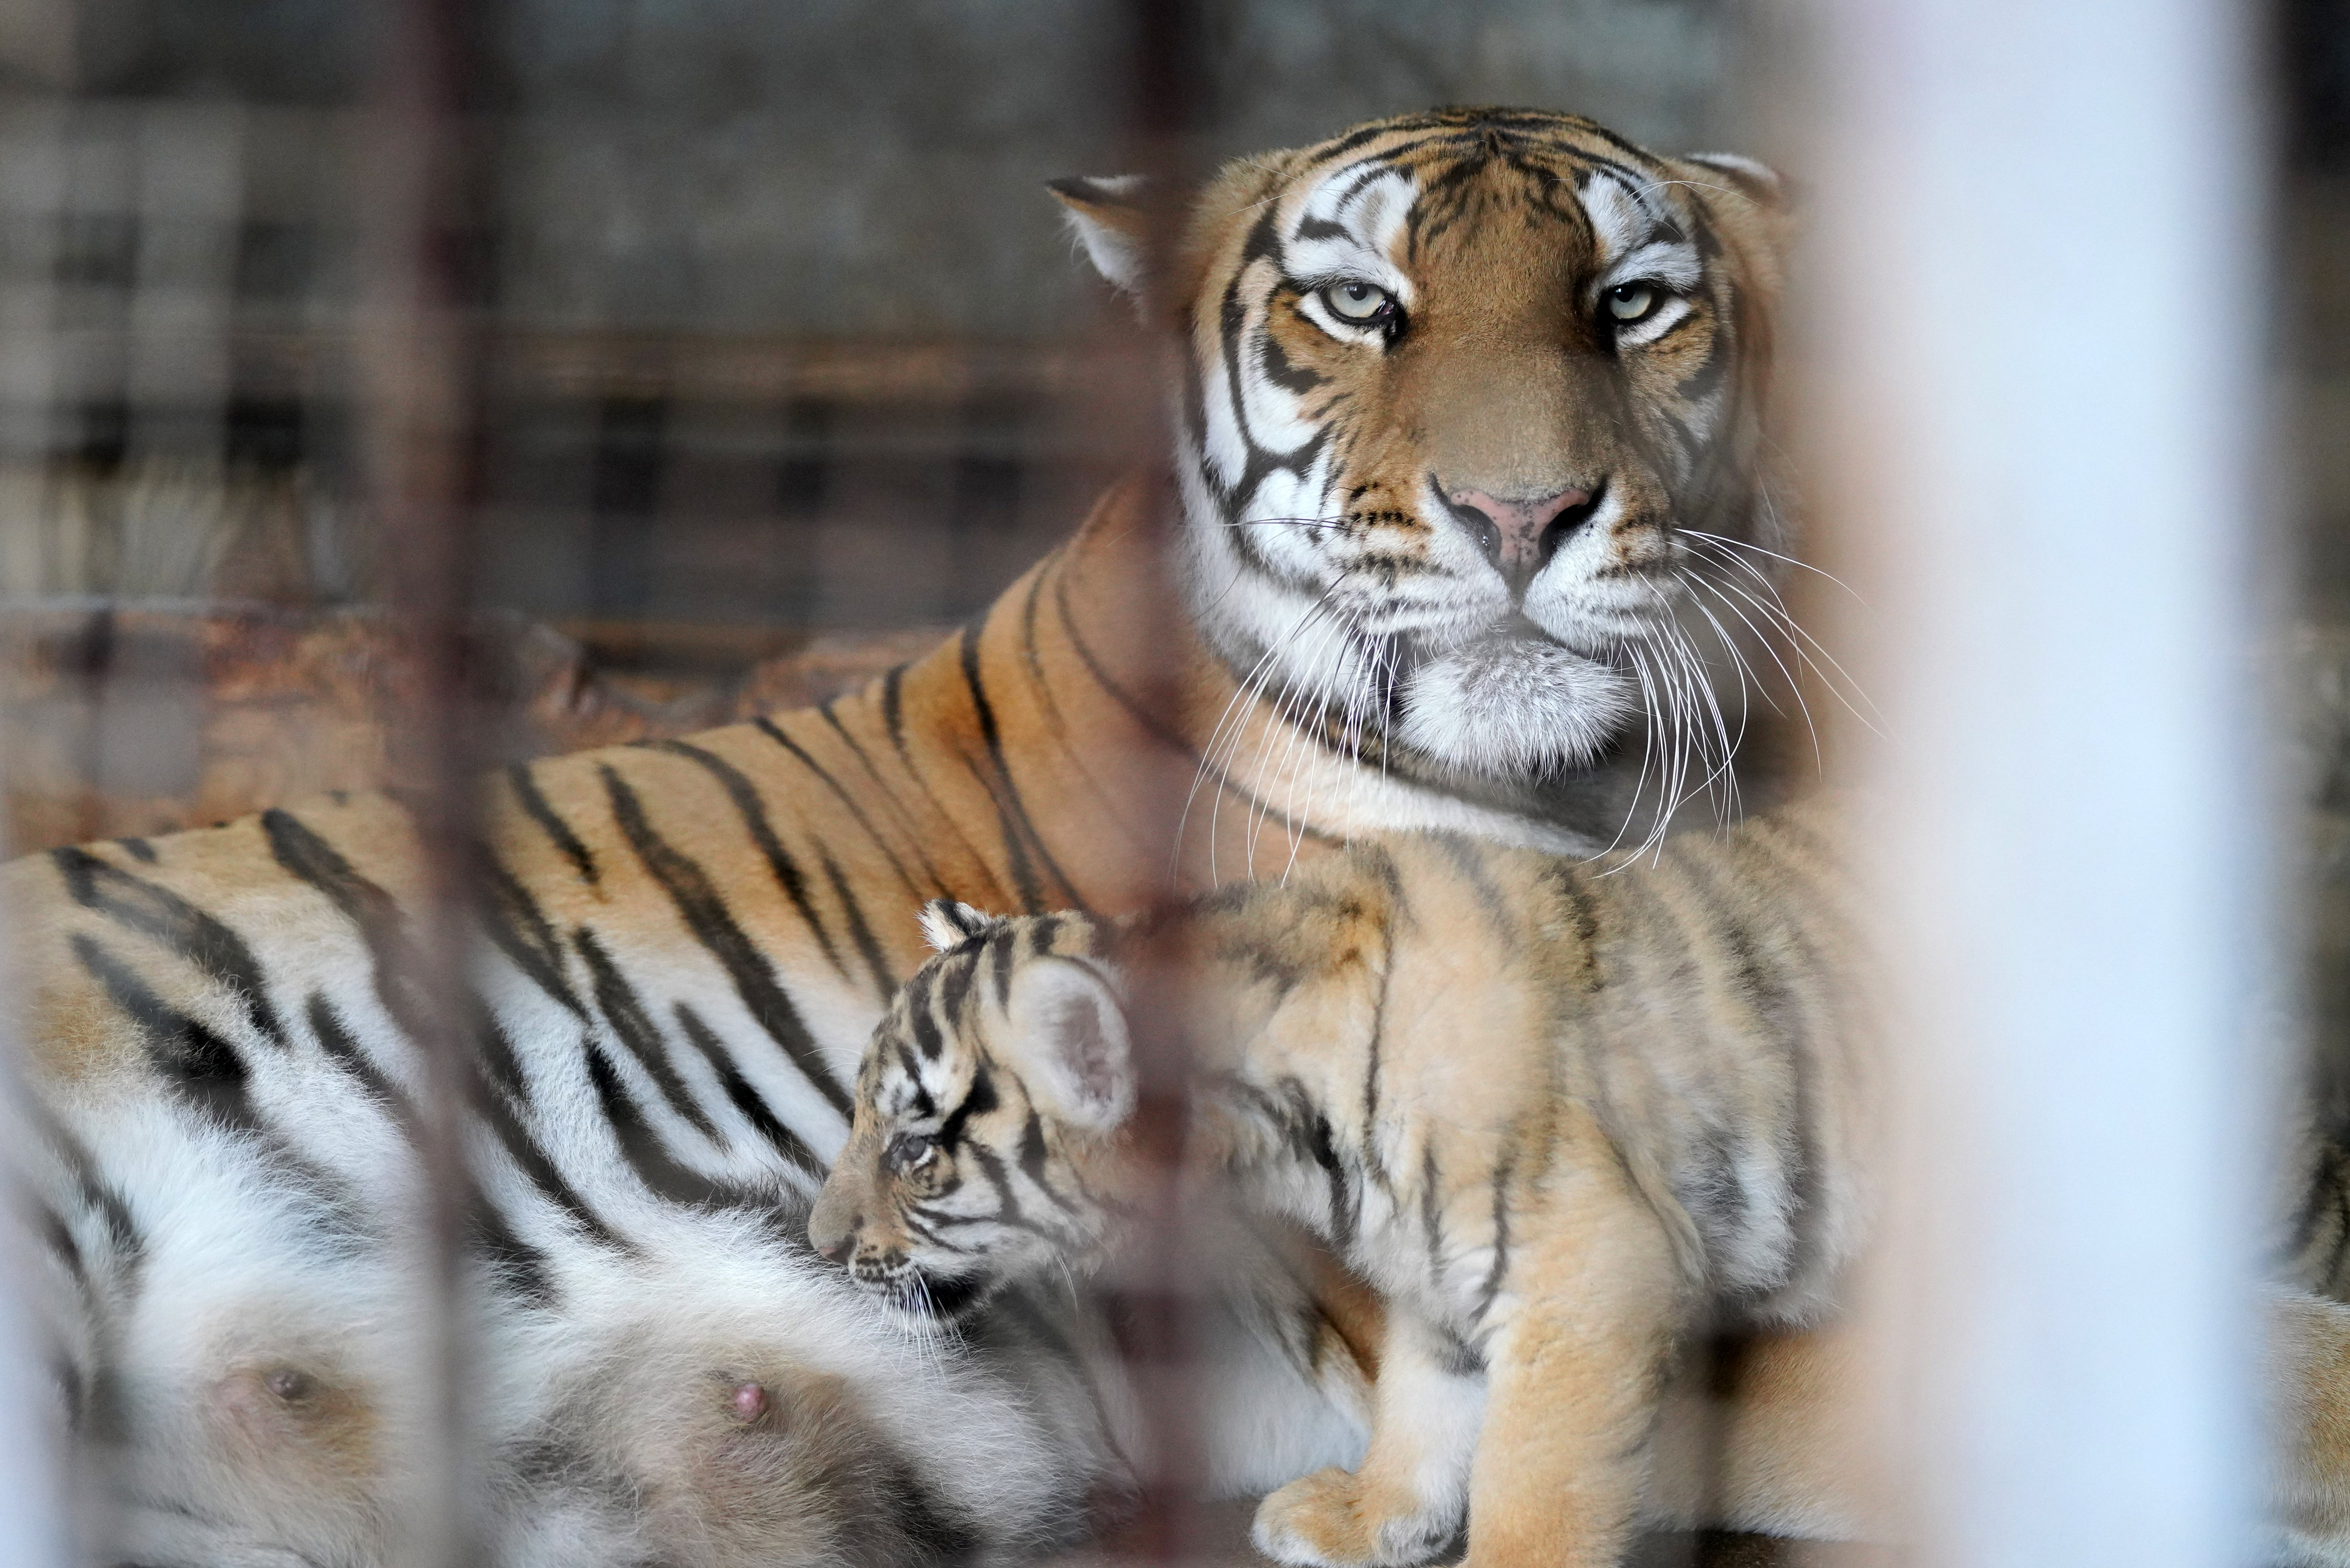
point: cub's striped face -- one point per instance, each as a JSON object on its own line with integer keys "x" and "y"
{"x": 988, "y": 1108}
{"x": 1457, "y": 387}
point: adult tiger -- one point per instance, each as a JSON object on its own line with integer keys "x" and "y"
{"x": 1464, "y": 396}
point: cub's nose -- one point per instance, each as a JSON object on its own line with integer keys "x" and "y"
{"x": 831, "y": 1225}
{"x": 1519, "y": 536}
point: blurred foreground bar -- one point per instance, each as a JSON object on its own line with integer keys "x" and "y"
{"x": 2042, "y": 250}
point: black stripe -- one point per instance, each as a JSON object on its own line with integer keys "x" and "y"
{"x": 1374, "y": 1054}
{"x": 2341, "y": 1240}
{"x": 1036, "y": 1158}
{"x": 1033, "y": 656}
{"x": 1431, "y": 1211}
{"x": 624, "y": 1011}
{"x": 496, "y": 1054}
{"x": 156, "y": 911}
{"x": 893, "y": 707}
{"x": 367, "y": 906}
{"x": 977, "y": 1100}
{"x": 1151, "y": 725}
{"x": 95, "y": 1192}
{"x": 1768, "y": 990}
{"x": 535, "y": 807}
{"x": 137, "y": 849}
{"x": 1500, "y": 1266}
{"x": 775, "y": 733}
{"x": 926, "y": 1036}
{"x": 954, "y": 979}
{"x": 1699, "y": 382}
{"x": 641, "y": 1143}
{"x": 519, "y": 929}
{"x": 1002, "y": 950}
{"x": 754, "y": 813}
{"x": 520, "y": 1269}
{"x": 208, "y": 1075}
{"x": 540, "y": 1171}
{"x": 343, "y": 1048}
{"x": 706, "y": 916}
{"x": 885, "y": 978}
{"x": 1469, "y": 863}
{"x": 671, "y": 1180}
{"x": 1324, "y": 1149}
{"x": 1010, "y": 816}
{"x": 200, "y": 1066}
{"x": 58, "y": 1237}
{"x": 746, "y": 1098}
{"x": 1007, "y": 1202}
{"x": 2319, "y": 1192}
{"x": 918, "y": 1099}
{"x": 932, "y": 1529}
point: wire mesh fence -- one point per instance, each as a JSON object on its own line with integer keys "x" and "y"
{"x": 519, "y": 531}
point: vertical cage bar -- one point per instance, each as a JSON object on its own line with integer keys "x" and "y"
{"x": 420, "y": 386}
{"x": 37, "y": 1491}
{"x": 1158, "y": 1303}
{"x": 2039, "y": 308}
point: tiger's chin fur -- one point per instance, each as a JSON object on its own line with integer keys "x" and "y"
{"x": 1512, "y": 708}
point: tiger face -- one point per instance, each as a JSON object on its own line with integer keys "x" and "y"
{"x": 977, "y": 1157}
{"x": 1459, "y": 392}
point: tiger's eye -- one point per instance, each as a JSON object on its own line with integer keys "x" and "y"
{"x": 1631, "y": 302}
{"x": 1357, "y": 303}
{"x": 912, "y": 1151}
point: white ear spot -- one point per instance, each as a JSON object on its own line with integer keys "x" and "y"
{"x": 947, "y": 924}
{"x": 1756, "y": 181}
{"x": 1069, "y": 1033}
{"x": 1107, "y": 217}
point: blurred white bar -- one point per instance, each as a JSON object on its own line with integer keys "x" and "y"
{"x": 2042, "y": 235}
{"x": 32, "y": 1534}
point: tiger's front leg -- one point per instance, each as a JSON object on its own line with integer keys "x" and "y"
{"x": 1584, "y": 1324}
{"x": 1404, "y": 1504}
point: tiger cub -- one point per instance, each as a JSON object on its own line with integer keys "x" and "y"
{"x": 1559, "y": 1118}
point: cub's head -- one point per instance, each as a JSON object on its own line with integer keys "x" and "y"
{"x": 987, "y": 1141}
{"x": 1467, "y": 427}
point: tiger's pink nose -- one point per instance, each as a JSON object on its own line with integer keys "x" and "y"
{"x": 1518, "y": 536}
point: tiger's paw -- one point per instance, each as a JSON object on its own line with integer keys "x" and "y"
{"x": 1335, "y": 1519}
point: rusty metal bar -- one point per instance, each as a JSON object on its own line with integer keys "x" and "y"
{"x": 1157, "y": 1308}
{"x": 419, "y": 378}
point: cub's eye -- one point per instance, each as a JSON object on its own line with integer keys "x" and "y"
{"x": 912, "y": 1151}
{"x": 1358, "y": 304}
{"x": 1629, "y": 303}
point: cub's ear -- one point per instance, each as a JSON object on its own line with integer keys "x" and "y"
{"x": 1112, "y": 223}
{"x": 1068, "y": 1031}
{"x": 947, "y": 925}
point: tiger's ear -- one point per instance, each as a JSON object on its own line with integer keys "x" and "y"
{"x": 1112, "y": 223}
{"x": 947, "y": 925}
{"x": 1753, "y": 179}
{"x": 1753, "y": 212}
{"x": 1068, "y": 1031}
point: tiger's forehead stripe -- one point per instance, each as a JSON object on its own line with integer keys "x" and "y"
{"x": 1344, "y": 219}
